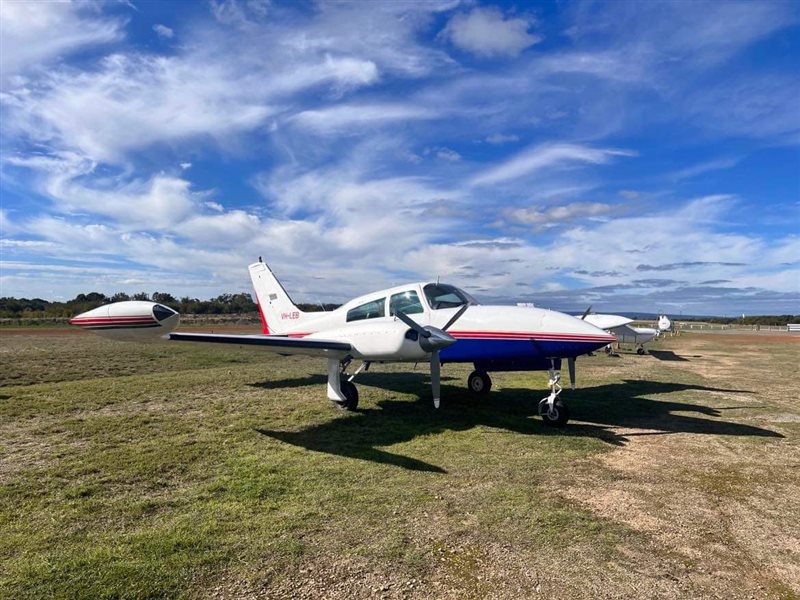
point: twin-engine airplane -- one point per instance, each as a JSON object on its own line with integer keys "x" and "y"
{"x": 432, "y": 322}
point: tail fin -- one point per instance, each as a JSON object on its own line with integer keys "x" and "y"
{"x": 278, "y": 312}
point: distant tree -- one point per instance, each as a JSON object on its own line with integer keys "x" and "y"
{"x": 164, "y": 298}
{"x": 120, "y": 297}
{"x": 140, "y": 296}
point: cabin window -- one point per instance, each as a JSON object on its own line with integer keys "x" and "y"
{"x": 370, "y": 310}
{"x": 441, "y": 295}
{"x": 405, "y": 302}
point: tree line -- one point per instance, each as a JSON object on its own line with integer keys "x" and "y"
{"x": 225, "y": 304}
{"x": 753, "y": 320}
{"x": 240, "y": 304}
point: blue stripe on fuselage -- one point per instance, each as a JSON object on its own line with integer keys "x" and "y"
{"x": 522, "y": 351}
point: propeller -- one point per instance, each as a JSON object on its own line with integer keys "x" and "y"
{"x": 586, "y": 313}
{"x": 571, "y": 365}
{"x": 432, "y": 339}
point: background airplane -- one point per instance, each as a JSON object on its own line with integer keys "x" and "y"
{"x": 426, "y": 321}
{"x": 620, "y": 327}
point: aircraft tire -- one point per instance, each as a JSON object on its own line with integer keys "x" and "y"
{"x": 640, "y": 351}
{"x": 561, "y": 413}
{"x": 350, "y": 392}
{"x": 479, "y": 382}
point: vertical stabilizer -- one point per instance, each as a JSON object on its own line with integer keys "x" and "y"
{"x": 278, "y": 313}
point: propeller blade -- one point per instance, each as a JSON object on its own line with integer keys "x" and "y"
{"x": 413, "y": 324}
{"x": 455, "y": 317}
{"x": 435, "y": 375}
{"x": 586, "y": 313}
{"x": 571, "y": 363}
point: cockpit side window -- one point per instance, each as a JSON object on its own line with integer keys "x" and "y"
{"x": 441, "y": 295}
{"x": 370, "y": 310}
{"x": 405, "y": 302}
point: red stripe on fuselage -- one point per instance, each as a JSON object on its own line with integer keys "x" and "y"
{"x": 530, "y": 335}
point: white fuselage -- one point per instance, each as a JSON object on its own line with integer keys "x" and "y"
{"x": 498, "y": 329}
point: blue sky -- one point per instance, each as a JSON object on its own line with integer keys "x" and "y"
{"x": 631, "y": 155}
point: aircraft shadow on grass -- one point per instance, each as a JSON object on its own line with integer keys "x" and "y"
{"x": 363, "y": 435}
{"x": 670, "y": 355}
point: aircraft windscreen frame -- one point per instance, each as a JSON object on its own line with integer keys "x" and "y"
{"x": 438, "y": 302}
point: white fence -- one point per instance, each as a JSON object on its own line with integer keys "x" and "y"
{"x": 718, "y": 326}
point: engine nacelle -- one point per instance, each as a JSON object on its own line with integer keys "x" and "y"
{"x": 131, "y": 321}
{"x": 384, "y": 340}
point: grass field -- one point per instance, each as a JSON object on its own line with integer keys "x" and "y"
{"x": 151, "y": 470}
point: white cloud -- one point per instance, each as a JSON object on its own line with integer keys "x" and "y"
{"x": 79, "y": 238}
{"x": 557, "y": 214}
{"x": 545, "y": 156}
{"x": 133, "y": 101}
{"x": 163, "y": 31}
{"x": 35, "y": 33}
{"x": 631, "y": 65}
{"x": 153, "y": 204}
{"x": 245, "y": 14}
{"x": 6, "y": 226}
{"x": 351, "y": 118}
{"x": 695, "y": 35}
{"x": 485, "y": 32}
{"x": 219, "y": 84}
{"x": 220, "y": 230}
{"x": 705, "y": 167}
{"x": 500, "y": 138}
{"x": 448, "y": 155}
{"x": 753, "y": 105}
{"x": 386, "y": 33}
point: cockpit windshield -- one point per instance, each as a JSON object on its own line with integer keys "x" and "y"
{"x": 441, "y": 295}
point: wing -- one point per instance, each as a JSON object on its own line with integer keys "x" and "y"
{"x": 271, "y": 343}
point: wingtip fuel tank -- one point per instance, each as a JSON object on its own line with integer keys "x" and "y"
{"x": 131, "y": 320}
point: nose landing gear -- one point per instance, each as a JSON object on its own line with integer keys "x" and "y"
{"x": 552, "y": 409}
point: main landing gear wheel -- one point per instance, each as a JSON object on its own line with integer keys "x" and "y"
{"x": 350, "y": 392}
{"x": 555, "y": 416}
{"x": 640, "y": 351}
{"x": 479, "y": 382}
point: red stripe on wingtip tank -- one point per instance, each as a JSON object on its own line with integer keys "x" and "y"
{"x": 264, "y": 326}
